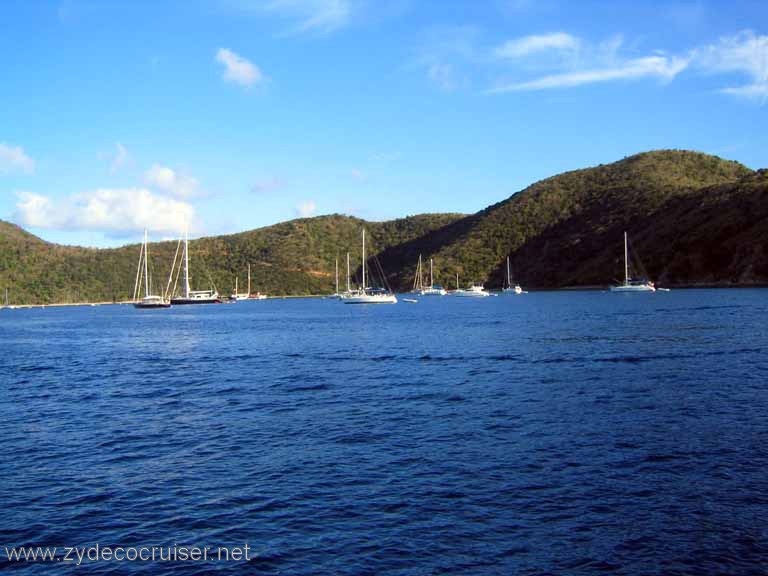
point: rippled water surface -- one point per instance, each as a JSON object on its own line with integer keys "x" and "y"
{"x": 562, "y": 433}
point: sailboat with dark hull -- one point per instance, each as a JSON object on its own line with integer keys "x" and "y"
{"x": 190, "y": 296}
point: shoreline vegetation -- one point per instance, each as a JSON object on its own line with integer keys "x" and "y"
{"x": 697, "y": 220}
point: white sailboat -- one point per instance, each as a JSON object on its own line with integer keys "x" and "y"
{"x": 366, "y": 294}
{"x": 418, "y": 282}
{"x": 632, "y": 284}
{"x": 475, "y": 290}
{"x": 237, "y": 296}
{"x": 508, "y": 288}
{"x": 190, "y": 296}
{"x": 336, "y": 295}
{"x": 149, "y": 300}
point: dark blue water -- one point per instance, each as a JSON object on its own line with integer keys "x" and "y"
{"x": 561, "y": 433}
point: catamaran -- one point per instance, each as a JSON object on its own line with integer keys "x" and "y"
{"x": 190, "y": 296}
{"x": 418, "y": 282}
{"x": 631, "y": 284}
{"x": 366, "y": 294}
{"x": 142, "y": 272}
{"x": 508, "y": 288}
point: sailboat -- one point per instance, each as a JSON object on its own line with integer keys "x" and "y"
{"x": 632, "y": 284}
{"x": 475, "y": 290}
{"x": 508, "y": 288}
{"x": 190, "y": 296}
{"x": 366, "y": 294}
{"x": 418, "y": 282}
{"x": 336, "y": 295}
{"x": 149, "y": 300}
{"x": 239, "y": 295}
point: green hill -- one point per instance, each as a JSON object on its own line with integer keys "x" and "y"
{"x": 693, "y": 219}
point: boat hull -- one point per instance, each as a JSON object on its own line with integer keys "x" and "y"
{"x": 187, "y": 301}
{"x": 634, "y": 288}
{"x": 148, "y": 306}
{"x": 370, "y": 299}
{"x": 470, "y": 294}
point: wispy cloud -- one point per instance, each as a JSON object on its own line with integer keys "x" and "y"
{"x": 120, "y": 158}
{"x": 520, "y": 47}
{"x": 238, "y": 69}
{"x": 318, "y": 16}
{"x": 306, "y": 208}
{"x": 580, "y": 63}
{"x": 13, "y": 158}
{"x": 172, "y": 182}
{"x": 115, "y": 211}
{"x": 660, "y": 67}
{"x": 445, "y": 52}
{"x": 267, "y": 185}
{"x": 745, "y": 53}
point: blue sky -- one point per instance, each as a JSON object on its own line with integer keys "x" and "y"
{"x": 235, "y": 114}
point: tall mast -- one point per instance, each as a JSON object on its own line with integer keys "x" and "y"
{"x": 249, "y": 280}
{"x": 431, "y": 279}
{"x": 136, "y": 284}
{"x": 337, "y": 275}
{"x": 186, "y": 263}
{"x": 348, "y": 290}
{"x": 363, "y": 258}
{"x": 457, "y": 280}
{"x": 509, "y": 276}
{"x": 235, "y": 285}
{"x": 626, "y": 260}
{"x": 146, "y": 266}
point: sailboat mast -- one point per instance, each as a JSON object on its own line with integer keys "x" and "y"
{"x": 337, "y": 275}
{"x": 236, "y": 286}
{"x": 186, "y": 263}
{"x": 431, "y": 278}
{"x": 626, "y": 260}
{"x": 457, "y": 280}
{"x": 363, "y": 258}
{"x": 509, "y": 276}
{"x": 146, "y": 266}
{"x": 249, "y": 280}
{"x": 348, "y": 289}
{"x": 138, "y": 275}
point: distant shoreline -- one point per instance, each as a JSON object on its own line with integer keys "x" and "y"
{"x": 588, "y": 288}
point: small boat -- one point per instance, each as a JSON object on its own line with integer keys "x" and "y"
{"x": 190, "y": 296}
{"x": 631, "y": 284}
{"x": 366, "y": 294}
{"x": 237, "y": 296}
{"x": 149, "y": 300}
{"x": 509, "y": 288}
{"x": 410, "y": 300}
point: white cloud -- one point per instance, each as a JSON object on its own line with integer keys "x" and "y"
{"x": 520, "y": 47}
{"x": 746, "y": 54}
{"x": 238, "y": 69}
{"x": 115, "y": 211}
{"x": 120, "y": 158}
{"x": 320, "y": 16}
{"x": 660, "y": 67}
{"x": 14, "y": 158}
{"x": 172, "y": 182}
{"x": 306, "y": 208}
